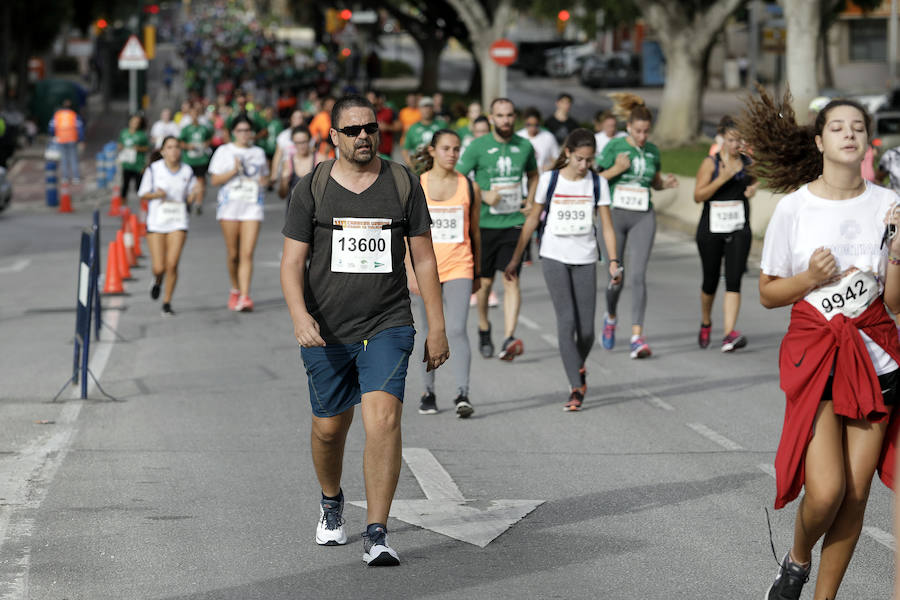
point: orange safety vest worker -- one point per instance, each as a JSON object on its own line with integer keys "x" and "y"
{"x": 65, "y": 123}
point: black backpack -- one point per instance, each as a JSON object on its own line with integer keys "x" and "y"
{"x": 551, "y": 187}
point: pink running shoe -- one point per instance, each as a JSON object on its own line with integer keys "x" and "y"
{"x": 233, "y": 297}
{"x": 244, "y": 304}
{"x": 703, "y": 337}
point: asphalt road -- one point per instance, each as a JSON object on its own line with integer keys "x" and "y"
{"x": 196, "y": 482}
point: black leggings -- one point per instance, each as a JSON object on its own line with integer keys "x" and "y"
{"x": 735, "y": 247}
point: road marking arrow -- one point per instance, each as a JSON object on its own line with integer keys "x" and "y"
{"x": 446, "y": 511}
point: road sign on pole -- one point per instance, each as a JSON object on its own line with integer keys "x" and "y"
{"x": 503, "y": 52}
{"x": 132, "y": 58}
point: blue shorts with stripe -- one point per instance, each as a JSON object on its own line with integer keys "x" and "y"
{"x": 339, "y": 374}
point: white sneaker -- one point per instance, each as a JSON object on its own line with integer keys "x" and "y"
{"x": 377, "y": 553}
{"x": 330, "y": 529}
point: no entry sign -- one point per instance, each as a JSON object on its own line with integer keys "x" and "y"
{"x": 503, "y": 52}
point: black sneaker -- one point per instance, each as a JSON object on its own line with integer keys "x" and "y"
{"x": 154, "y": 289}
{"x": 167, "y": 310}
{"x": 199, "y": 209}
{"x": 377, "y": 553}
{"x": 485, "y": 345}
{"x": 464, "y": 409}
{"x": 789, "y": 582}
{"x": 428, "y": 404}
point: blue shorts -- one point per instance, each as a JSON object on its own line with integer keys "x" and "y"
{"x": 339, "y": 374}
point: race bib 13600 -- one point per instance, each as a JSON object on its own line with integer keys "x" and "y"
{"x": 361, "y": 246}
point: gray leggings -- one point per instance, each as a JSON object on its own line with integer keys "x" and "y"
{"x": 573, "y": 290}
{"x": 640, "y": 229}
{"x": 456, "y": 293}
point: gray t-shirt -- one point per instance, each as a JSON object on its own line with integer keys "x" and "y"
{"x": 351, "y": 307}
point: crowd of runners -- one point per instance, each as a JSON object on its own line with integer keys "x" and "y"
{"x": 432, "y": 210}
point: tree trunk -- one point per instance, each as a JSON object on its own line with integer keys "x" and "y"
{"x": 5, "y": 49}
{"x": 484, "y": 30}
{"x": 431, "y": 63}
{"x": 803, "y": 18}
{"x": 678, "y": 122}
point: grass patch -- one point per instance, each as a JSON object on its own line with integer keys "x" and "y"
{"x": 684, "y": 160}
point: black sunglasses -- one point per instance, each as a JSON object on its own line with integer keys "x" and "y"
{"x": 355, "y": 130}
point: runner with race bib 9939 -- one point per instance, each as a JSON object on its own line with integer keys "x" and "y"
{"x": 829, "y": 253}
{"x": 567, "y": 201}
{"x": 632, "y": 166}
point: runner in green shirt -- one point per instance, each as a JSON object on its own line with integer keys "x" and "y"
{"x": 195, "y": 141}
{"x": 632, "y": 166}
{"x": 419, "y": 134}
{"x": 500, "y": 161}
{"x": 133, "y": 145}
{"x": 272, "y": 127}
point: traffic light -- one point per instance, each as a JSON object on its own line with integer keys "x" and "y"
{"x": 562, "y": 20}
{"x": 100, "y": 26}
{"x": 151, "y": 9}
{"x": 346, "y": 14}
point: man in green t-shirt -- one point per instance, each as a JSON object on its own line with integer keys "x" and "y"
{"x": 419, "y": 134}
{"x": 271, "y": 128}
{"x": 132, "y": 147}
{"x": 195, "y": 142}
{"x": 500, "y": 161}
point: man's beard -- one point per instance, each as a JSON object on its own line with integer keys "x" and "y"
{"x": 354, "y": 158}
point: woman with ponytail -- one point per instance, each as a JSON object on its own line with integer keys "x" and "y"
{"x": 565, "y": 206}
{"x": 830, "y": 252}
{"x": 454, "y": 203}
{"x": 632, "y": 166}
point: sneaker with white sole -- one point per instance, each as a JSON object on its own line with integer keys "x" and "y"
{"x": 330, "y": 529}
{"x": 376, "y": 552}
{"x": 733, "y": 341}
{"x": 428, "y": 404}
{"x": 789, "y": 582}
{"x": 464, "y": 408}
{"x": 640, "y": 349}
{"x": 608, "y": 338}
{"x": 512, "y": 347}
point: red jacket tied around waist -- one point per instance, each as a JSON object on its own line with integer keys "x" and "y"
{"x": 808, "y": 353}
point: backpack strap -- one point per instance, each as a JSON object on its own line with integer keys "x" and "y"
{"x": 551, "y": 187}
{"x": 596, "y": 179}
{"x": 402, "y": 182}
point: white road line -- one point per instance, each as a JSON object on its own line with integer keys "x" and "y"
{"x": 528, "y": 323}
{"x": 652, "y": 399}
{"x": 881, "y": 536}
{"x": 768, "y": 469}
{"x": 15, "y": 267}
{"x": 27, "y": 475}
{"x": 550, "y": 339}
{"x": 434, "y": 480}
{"x": 716, "y": 437}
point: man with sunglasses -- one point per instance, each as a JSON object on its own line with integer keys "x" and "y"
{"x": 351, "y": 312}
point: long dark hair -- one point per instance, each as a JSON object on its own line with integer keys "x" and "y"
{"x": 785, "y": 153}
{"x": 423, "y": 161}
{"x": 579, "y": 138}
{"x": 157, "y": 154}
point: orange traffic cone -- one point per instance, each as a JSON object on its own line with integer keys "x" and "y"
{"x": 113, "y": 282}
{"x": 115, "y": 206}
{"x": 65, "y": 199}
{"x": 135, "y": 230}
{"x": 142, "y": 221}
{"x": 122, "y": 258}
{"x": 126, "y": 213}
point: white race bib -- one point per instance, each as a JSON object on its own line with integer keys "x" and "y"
{"x": 631, "y": 197}
{"x": 195, "y": 152}
{"x": 726, "y": 216}
{"x": 510, "y": 200}
{"x": 447, "y": 224}
{"x": 361, "y": 246}
{"x": 172, "y": 213}
{"x": 245, "y": 191}
{"x": 850, "y": 296}
{"x": 128, "y": 156}
{"x": 571, "y": 216}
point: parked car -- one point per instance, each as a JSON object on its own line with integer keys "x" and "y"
{"x": 621, "y": 69}
{"x": 5, "y": 190}
{"x": 566, "y": 61}
{"x": 532, "y": 59}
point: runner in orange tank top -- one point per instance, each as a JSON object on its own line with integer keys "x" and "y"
{"x": 455, "y": 205}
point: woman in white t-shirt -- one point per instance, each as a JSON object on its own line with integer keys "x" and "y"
{"x": 168, "y": 185}
{"x": 243, "y": 172}
{"x": 828, "y": 253}
{"x": 568, "y": 250}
